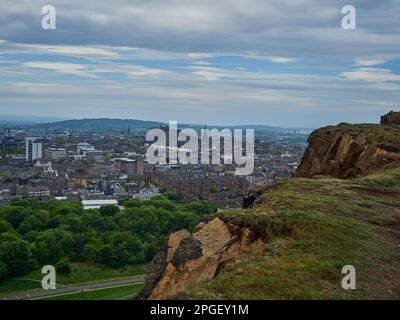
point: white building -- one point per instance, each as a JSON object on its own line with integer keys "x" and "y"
{"x": 56, "y": 154}
{"x": 33, "y": 149}
{"x": 148, "y": 193}
{"x": 97, "y": 204}
{"x": 83, "y": 148}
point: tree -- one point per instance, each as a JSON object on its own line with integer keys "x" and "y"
{"x": 201, "y": 208}
{"x": 9, "y": 236}
{"x": 30, "y": 223}
{"x": 40, "y": 251}
{"x": 5, "y": 226}
{"x": 14, "y": 214}
{"x": 62, "y": 265}
{"x": 34, "y": 233}
{"x": 16, "y": 256}
{"x": 172, "y": 196}
{"x": 109, "y": 210}
{"x": 3, "y": 271}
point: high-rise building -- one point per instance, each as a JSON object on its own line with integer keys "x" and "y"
{"x": 7, "y": 132}
{"x": 33, "y": 150}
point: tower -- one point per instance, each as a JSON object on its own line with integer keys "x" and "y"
{"x": 33, "y": 149}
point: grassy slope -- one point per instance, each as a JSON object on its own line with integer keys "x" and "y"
{"x": 377, "y": 134}
{"x": 317, "y": 227}
{"x": 117, "y": 293}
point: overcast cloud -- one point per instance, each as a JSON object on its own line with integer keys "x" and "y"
{"x": 283, "y": 62}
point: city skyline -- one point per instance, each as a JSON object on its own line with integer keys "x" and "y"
{"x": 218, "y": 63}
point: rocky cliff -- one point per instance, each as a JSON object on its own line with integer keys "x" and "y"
{"x": 392, "y": 118}
{"x": 346, "y": 151}
{"x": 188, "y": 258}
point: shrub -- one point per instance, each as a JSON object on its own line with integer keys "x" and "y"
{"x": 63, "y": 266}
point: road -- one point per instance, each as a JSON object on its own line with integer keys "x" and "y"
{"x": 73, "y": 289}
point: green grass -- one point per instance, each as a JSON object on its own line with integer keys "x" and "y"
{"x": 16, "y": 285}
{"x": 127, "y": 292}
{"x": 315, "y": 227}
{"x": 80, "y": 273}
{"x": 85, "y": 273}
{"x": 377, "y": 134}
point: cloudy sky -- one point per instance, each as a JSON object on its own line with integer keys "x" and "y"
{"x": 276, "y": 62}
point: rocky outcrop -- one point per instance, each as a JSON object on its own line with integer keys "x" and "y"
{"x": 188, "y": 258}
{"x": 345, "y": 151}
{"x": 254, "y": 196}
{"x": 392, "y": 118}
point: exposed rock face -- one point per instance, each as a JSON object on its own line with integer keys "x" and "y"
{"x": 391, "y": 118}
{"x": 334, "y": 151}
{"x": 188, "y": 258}
{"x": 253, "y": 196}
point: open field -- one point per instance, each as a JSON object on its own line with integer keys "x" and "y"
{"x": 80, "y": 273}
{"x": 127, "y": 292}
{"x": 17, "y": 285}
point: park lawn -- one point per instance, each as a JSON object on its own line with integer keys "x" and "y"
{"x": 127, "y": 292}
{"x": 80, "y": 273}
{"x": 16, "y": 285}
{"x": 90, "y": 272}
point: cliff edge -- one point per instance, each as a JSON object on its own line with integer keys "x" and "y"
{"x": 346, "y": 151}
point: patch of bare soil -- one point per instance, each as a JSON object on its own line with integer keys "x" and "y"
{"x": 376, "y": 193}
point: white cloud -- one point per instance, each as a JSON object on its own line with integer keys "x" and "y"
{"x": 139, "y": 72}
{"x": 372, "y": 75}
{"x": 202, "y": 63}
{"x": 369, "y": 62}
{"x": 213, "y": 74}
{"x": 82, "y": 51}
{"x": 273, "y": 96}
{"x": 274, "y": 59}
{"x": 61, "y": 67}
{"x": 200, "y": 55}
{"x": 75, "y": 51}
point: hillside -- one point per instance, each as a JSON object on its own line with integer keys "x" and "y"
{"x": 105, "y": 124}
{"x": 100, "y": 124}
{"x": 294, "y": 241}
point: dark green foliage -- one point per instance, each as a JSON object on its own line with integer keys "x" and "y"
{"x": 172, "y": 196}
{"x": 109, "y": 210}
{"x": 34, "y": 233}
{"x": 3, "y": 271}
{"x": 16, "y": 256}
{"x": 63, "y": 266}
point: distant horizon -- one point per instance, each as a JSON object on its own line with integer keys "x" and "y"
{"x": 45, "y": 119}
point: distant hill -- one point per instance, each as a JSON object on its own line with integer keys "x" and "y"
{"x": 101, "y": 124}
{"x": 18, "y": 119}
{"x": 104, "y": 124}
{"x": 260, "y": 128}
